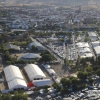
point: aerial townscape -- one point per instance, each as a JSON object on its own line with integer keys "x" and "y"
{"x": 49, "y": 51}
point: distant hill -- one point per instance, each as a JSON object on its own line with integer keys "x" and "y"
{"x": 59, "y": 2}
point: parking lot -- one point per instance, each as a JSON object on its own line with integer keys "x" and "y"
{"x": 58, "y": 48}
{"x": 72, "y": 53}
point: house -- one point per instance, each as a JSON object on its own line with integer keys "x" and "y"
{"x": 14, "y": 47}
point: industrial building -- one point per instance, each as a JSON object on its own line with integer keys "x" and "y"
{"x": 34, "y": 72}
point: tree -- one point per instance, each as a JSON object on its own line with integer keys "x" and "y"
{"x": 66, "y": 82}
{"x": 56, "y": 86}
{"x": 62, "y": 81}
{"x": 89, "y": 69}
{"x": 6, "y": 97}
{"x": 7, "y": 55}
{"x": 19, "y": 96}
{"x": 91, "y": 80}
{"x": 75, "y": 81}
{"x": 5, "y": 37}
{"x": 25, "y": 35}
{"x": 2, "y": 47}
{"x": 98, "y": 72}
{"x": 63, "y": 91}
{"x": 86, "y": 39}
{"x": 82, "y": 75}
{"x": 66, "y": 61}
{"x": 46, "y": 58}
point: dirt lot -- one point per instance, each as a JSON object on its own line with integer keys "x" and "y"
{"x": 60, "y": 69}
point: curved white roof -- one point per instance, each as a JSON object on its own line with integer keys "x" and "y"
{"x": 12, "y": 72}
{"x": 17, "y": 83}
{"x": 33, "y": 71}
{"x": 30, "y": 56}
{"x": 87, "y": 50}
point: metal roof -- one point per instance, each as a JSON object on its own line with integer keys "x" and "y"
{"x": 30, "y": 56}
{"x": 11, "y": 46}
{"x": 36, "y": 44}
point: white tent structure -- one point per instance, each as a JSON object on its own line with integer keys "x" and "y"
{"x": 12, "y": 72}
{"x": 17, "y": 84}
{"x": 34, "y": 72}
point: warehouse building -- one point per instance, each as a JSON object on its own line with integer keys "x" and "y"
{"x": 34, "y": 72}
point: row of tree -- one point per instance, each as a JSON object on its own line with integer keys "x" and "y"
{"x": 16, "y": 96}
{"x": 69, "y": 84}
